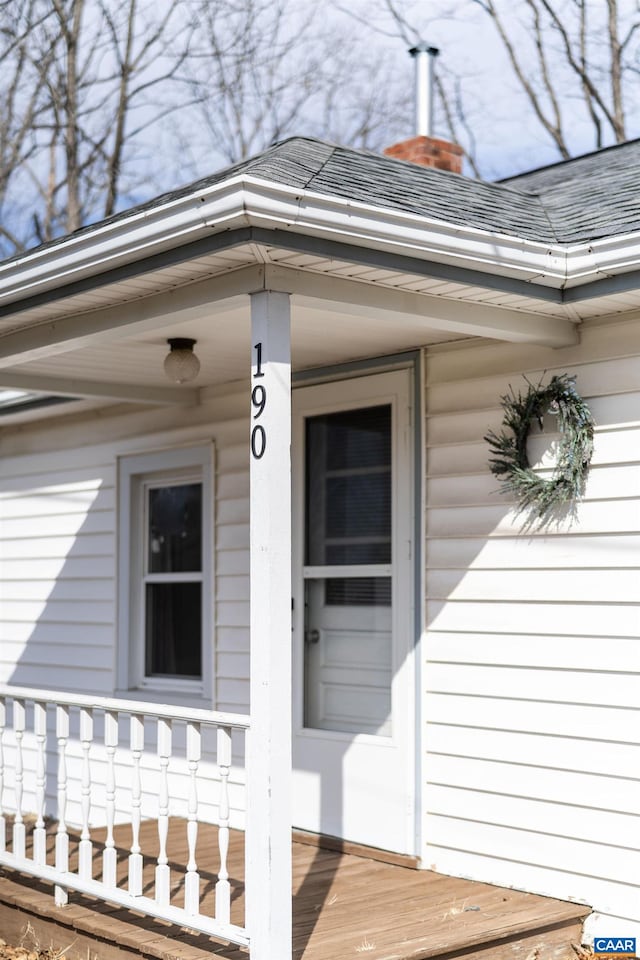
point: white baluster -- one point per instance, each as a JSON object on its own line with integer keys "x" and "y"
{"x": 109, "y": 855}
{"x": 3, "y": 824}
{"x": 192, "y": 879}
{"x": 135, "y": 857}
{"x": 62, "y": 837}
{"x": 19, "y": 725}
{"x": 163, "y": 878}
{"x": 85, "y": 849}
{"x": 39, "y": 831}
{"x": 223, "y": 887}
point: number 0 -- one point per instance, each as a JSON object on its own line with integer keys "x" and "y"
{"x": 258, "y": 441}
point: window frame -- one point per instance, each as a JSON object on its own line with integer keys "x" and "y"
{"x": 138, "y": 473}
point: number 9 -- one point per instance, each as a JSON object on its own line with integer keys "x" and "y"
{"x": 258, "y": 399}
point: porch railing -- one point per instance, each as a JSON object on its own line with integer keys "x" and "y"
{"x": 36, "y": 718}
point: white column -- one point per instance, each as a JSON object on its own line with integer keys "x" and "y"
{"x": 223, "y": 887}
{"x": 62, "y": 837}
{"x": 268, "y": 857}
{"x": 85, "y": 847}
{"x": 192, "y": 877}
{"x": 136, "y": 740}
{"x": 39, "y": 832}
{"x": 110, "y": 854}
{"x": 163, "y": 873}
{"x": 19, "y": 726}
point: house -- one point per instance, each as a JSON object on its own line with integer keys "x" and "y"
{"x": 464, "y": 692}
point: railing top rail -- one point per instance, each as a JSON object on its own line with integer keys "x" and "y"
{"x": 143, "y": 707}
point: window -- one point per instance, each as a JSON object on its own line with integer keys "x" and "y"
{"x": 165, "y": 571}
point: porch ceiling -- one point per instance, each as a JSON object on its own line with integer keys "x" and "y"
{"x": 107, "y": 340}
{"x": 319, "y": 338}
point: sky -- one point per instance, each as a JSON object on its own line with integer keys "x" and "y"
{"x": 509, "y": 139}
{"x": 346, "y": 65}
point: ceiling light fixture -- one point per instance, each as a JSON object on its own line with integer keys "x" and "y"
{"x": 181, "y": 364}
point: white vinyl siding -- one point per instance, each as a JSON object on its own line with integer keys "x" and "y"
{"x": 58, "y": 527}
{"x": 57, "y": 567}
{"x": 58, "y": 523}
{"x": 532, "y": 671}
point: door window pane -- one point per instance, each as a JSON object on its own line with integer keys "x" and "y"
{"x": 348, "y": 486}
{"x": 347, "y": 655}
{"x": 358, "y": 592}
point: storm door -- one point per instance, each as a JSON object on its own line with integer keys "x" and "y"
{"x": 353, "y": 745}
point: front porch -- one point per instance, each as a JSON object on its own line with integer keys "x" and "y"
{"x": 344, "y": 905}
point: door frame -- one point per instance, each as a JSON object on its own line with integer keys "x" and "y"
{"x": 361, "y": 385}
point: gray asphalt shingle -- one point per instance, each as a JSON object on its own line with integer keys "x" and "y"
{"x": 592, "y": 196}
{"x": 582, "y": 199}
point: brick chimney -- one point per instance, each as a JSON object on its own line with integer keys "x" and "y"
{"x": 429, "y": 152}
{"x": 425, "y": 149}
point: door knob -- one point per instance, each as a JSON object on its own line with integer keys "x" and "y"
{"x": 312, "y": 636}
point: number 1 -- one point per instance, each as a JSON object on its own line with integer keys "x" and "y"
{"x": 258, "y": 349}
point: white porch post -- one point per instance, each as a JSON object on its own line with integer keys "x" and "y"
{"x": 268, "y": 856}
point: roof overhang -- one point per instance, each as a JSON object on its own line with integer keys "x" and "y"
{"x": 244, "y": 202}
{"x": 228, "y": 240}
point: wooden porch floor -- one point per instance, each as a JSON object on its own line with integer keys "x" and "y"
{"x": 343, "y": 905}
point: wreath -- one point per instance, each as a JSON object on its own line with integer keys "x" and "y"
{"x": 541, "y": 496}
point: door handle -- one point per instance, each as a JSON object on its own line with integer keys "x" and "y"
{"x": 312, "y": 636}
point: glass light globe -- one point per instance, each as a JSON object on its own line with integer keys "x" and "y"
{"x": 181, "y": 364}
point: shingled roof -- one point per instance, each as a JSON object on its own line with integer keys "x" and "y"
{"x": 584, "y": 199}
{"x": 578, "y": 200}
{"x": 592, "y": 196}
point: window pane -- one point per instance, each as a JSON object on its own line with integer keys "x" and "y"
{"x": 173, "y": 629}
{"x": 348, "y": 655}
{"x": 175, "y": 528}
{"x": 354, "y": 553}
{"x": 358, "y": 592}
{"x": 348, "y": 479}
{"x": 358, "y": 438}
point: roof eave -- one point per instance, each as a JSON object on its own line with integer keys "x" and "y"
{"x": 251, "y": 201}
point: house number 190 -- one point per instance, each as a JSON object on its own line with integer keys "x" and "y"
{"x": 259, "y": 402}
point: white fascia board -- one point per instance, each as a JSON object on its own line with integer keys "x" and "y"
{"x": 272, "y": 206}
{"x": 598, "y": 259}
{"x": 246, "y": 201}
{"x": 108, "y": 246}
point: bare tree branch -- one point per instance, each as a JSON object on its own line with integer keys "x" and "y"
{"x": 408, "y": 33}
{"x": 584, "y": 76}
{"x": 456, "y": 120}
{"x": 615, "y": 48}
{"x": 549, "y": 124}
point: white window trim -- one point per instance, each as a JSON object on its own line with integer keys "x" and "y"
{"x": 135, "y": 473}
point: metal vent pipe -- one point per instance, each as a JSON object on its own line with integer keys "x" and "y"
{"x": 425, "y": 56}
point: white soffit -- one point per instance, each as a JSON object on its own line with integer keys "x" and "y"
{"x": 243, "y": 203}
{"x": 229, "y": 262}
{"x": 319, "y": 337}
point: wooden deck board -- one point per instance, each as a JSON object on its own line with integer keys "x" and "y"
{"x": 344, "y": 905}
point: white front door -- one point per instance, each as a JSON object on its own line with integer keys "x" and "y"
{"x": 354, "y": 717}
